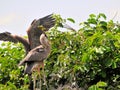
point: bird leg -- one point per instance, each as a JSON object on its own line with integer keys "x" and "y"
{"x": 41, "y": 73}
{"x": 44, "y": 76}
{"x": 39, "y": 76}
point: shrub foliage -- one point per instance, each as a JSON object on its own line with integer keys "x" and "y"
{"x": 87, "y": 58}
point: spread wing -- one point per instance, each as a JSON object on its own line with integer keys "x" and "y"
{"x": 6, "y": 36}
{"x": 45, "y": 23}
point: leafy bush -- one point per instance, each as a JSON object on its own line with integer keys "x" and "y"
{"x": 88, "y": 58}
{"x": 11, "y": 76}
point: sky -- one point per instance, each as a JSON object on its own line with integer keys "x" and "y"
{"x": 17, "y": 15}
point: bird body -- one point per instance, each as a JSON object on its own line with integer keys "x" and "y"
{"x": 37, "y": 46}
{"x": 37, "y": 55}
{"x": 36, "y": 51}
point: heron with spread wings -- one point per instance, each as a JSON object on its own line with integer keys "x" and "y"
{"x": 37, "y": 46}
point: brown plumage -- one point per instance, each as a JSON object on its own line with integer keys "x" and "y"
{"x": 6, "y": 36}
{"x": 36, "y": 28}
{"x": 34, "y": 32}
{"x": 36, "y": 56}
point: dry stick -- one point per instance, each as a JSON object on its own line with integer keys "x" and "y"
{"x": 40, "y": 85}
{"x": 40, "y": 79}
{"x": 68, "y": 27}
{"x": 115, "y": 15}
{"x": 31, "y": 86}
{"x": 34, "y": 81}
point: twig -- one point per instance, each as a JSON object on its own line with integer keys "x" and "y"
{"x": 115, "y": 15}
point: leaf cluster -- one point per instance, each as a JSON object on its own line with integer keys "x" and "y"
{"x": 87, "y": 58}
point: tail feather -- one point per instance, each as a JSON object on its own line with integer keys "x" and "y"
{"x": 28, "y": 69}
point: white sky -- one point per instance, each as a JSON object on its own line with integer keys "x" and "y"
{"x": 16, "y": 15}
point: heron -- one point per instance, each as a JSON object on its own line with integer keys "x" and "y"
{"x": 35, "y": 58}
{"x": 37, "y": 27}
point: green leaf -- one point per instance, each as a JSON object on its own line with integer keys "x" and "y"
{"x": 91, "y": 21}
{"x": 92, "y": 15}
{"x": 108, "y": 63}
{"x": 103, "y": 73}
{"x": 60, "y": 24}
{"x": 12, "y": 85}
{"x": 85, "y": 57}
{"x": 114, "y": 65}
{"x": 103, "y": 23}
{"x": 101, "y": 84}
{"x": 94, "y": 87}
{"x": 102, "y": 15}
{"x": 71, "y": 20}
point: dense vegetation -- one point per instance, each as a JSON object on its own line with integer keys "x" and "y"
{"x": 87, "y": 58}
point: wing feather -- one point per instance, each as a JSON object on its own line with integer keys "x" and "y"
{"x": 35, "y": 55}
{"x": 6, "y": 36}
{"x": 48, "y": 21}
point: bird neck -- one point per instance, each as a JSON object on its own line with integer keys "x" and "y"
{"x": 45, "y": 44}
{"x": 44, "y": 41}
